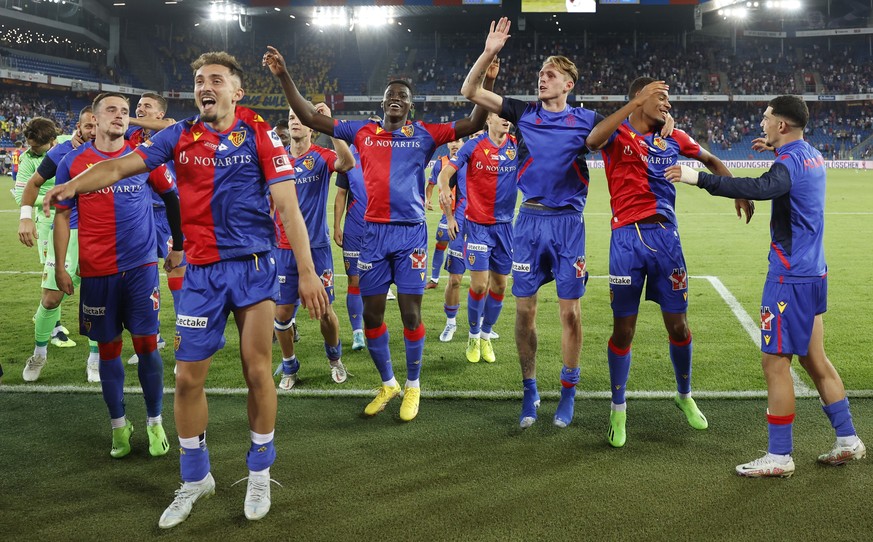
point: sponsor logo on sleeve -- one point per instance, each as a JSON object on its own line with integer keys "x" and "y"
{"x": 282, "y": 163}
{"x": 194, "y": 322}
{"x": 275, "y": 139}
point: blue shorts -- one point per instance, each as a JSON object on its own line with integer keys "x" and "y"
{"x": 455, "y": 253}
{"x": 788, "y": 312}
{"x": 650, "y": 255}
{"x": 210, "y": 292}
{"x": 549, "y": 245}
{"x": 442, "y": 233}
{"x": 393, "y": 253}
{"x": 128, "y": 300}
{"x": 163, "y": 234}
{"x": 353, "y": 236}
{"x": 489, "y": 247}
{"x": 289, "y": 278}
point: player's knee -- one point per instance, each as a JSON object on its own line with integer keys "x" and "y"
{"x": 280, "y": 324}
{"x": 145, "y": 344}
{"x": 571, "y": 315}
{"x": 109, "y": 351}
{"x": 284, "y": 312}
{"x": 51, "y": 299}
{"x": 455, "y": 280}
{"x": 622, "y": 337}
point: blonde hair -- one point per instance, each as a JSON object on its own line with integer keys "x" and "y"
{"x": 564, "y": 65}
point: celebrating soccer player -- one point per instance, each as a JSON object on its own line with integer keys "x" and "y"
{"x": 393, "y": 156}
{"x": 313, "y": 166}
{"x": 120, "y": 288}
{"x": 795, "y": 291}
{"x": 442, "y": 235}
{"x": 227, "y": 159}
{"x": 645, "y": 246}
{"x": 491, "y": 161}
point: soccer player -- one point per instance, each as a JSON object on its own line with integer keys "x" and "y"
{"x": 313, "y": 166}
{"x": 393, "y": 156}
{"x": 795, "y": 291}
{"x": 491, "y": 195}
{"x": 549, "y": 233}
{"x": 48, "y": 314}
{"x": 452, "y": 183}
{"x": 351, "y": 200}
{"x": 281, "y": 129}
{"x": 645, "y": 246}
{"x": 442, "y": 235}
{"x": 119, "y": 268}
{"x": 16, "y": 157}
{"x": 227, "y": 158}
{"x": 151, "y": 111}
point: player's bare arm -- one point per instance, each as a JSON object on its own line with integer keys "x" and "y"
{"x": 26, "y": 227}
{"x": 447, "y": 200}
{"x": 473, "y": 88}
{"x": 428, "y": 194}
{"x": 60, "y": 238}
{"x": 599, "y": 136}
{"x": 339, "y": 209}
{"x": 345, "y": 160}
{"x": 99, "y": 176}
{"x": 476, "y": 120}
{"x": 156, "y": 125}
{"x": 312, "y": 294}
{"x": 301, "y": 106}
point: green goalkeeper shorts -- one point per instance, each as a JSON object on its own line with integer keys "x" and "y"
{"x": 71, "y": 265}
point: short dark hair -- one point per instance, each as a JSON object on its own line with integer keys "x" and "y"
{"x": 40, "y": 131}
{"x": 403, "y": 82}
{"x": 222, "y": 59}
{"x": 162, "y": 102}
{"x": 86, "y": 110}
{"x": 792, "y": 108}
{"x": 103, "y": 95}
{"x": 638, "y": 84}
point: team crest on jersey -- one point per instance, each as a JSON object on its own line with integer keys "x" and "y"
{"x": 408, "y": 130}
{"x": 471, "y": 258}
{"x": 327, "y": 278}
{"x": 660, "y": 143}
{"x": 309, "y": 162}
{"x": 196, "y": 135}
{"x": 766, "y": 319}
{"x": 156, "y": 298}
{"x": 781, "y": 306}
{"x": 237, "y": 137}
{"x": 579, "y": 266}
{"x": 679, "y": 279}
{"x": 419, "y": 258}
{"x": 510, "y": 153}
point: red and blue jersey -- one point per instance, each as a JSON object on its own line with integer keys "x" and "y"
{"x": 393, "y": 165}
{"x": 438, "y": 166}
{"x": 356, "y": 201}
{"x": 491, "y": 178}
{"x": 116, "y": 223}
{"x": 551, "y": 152}
{"x": 223, "y": 180}
{"x": 312, "y": 171}
{"x": 138, "y": 135}
{"x": 635, "y": 165}
{"x": 796, "y": 184}
{"x": 48, "y": 168}
{"x": 16, "y": 157}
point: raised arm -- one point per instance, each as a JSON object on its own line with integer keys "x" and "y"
{"x": 599, "y": 136}
{"x": 472, "y": 89}
{"x": 99, "y": 176}
{"x": 156, "y": 125}
{"x": 476, "y": 120}
{"x": 344, "y": 158}
{"x": 304, "y": 110}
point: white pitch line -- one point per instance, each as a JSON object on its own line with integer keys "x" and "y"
{"x": 431, "y": 394}
{"x": 800, "y": 387}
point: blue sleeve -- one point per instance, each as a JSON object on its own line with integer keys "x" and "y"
{"x": 512, "y": 109}
{"x": 62, "y": 176}
{"x": 435, "y": 171}
{"x": 342, "y": 181}
{"x": 347, "y": 129}
{"x": 770, "y": 185}
{"x": 464, "y": 154}
{"x": 160, "y": 148}
{"x": 48, "y": 167}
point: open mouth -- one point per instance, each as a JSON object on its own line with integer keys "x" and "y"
{"x": 395, "y": 107}
{"x": 207, "y": 103}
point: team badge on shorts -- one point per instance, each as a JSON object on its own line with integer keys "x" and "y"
{"x": 327, "y": 278}
{"x": 579, "y": 266}
{"x": 237, "y": 137}
{"x": 347, "y": 264}
{"x": 156, "y": 298}
{"x": 679, "y": 279}
{"x": 766, "y": 319}
{"x": 419, "y": 258}
{"x": 440, "y": 233}
{"x": 471, "y": 258}
{"x": 408, "y": 130}
{"x": 86, "y": 325}
{"x": 177, "y": 341}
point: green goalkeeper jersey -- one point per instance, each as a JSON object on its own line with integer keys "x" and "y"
{"x": 27, "y": 165}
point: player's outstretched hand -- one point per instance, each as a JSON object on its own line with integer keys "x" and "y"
{"x": 497, "y": 35}
{"x": 744, "y": 206}
{"x": 173, "y": 259}
{"x": 312, "y": 295}
{"x": 27, "y": 232}
{"x": 63, "y": 280}
{"x": 274, "y": 61}
{"x": 760, "y": 144}
{"x": 58, "y": 193}
{"x": 453, "y": 227}
{"x": 338, "y": 237}
{"x": 667, "y": 129}
{"x": 493, "y": 69}
{"x": 322, "y": 108}
{"x": 684, "y": 174}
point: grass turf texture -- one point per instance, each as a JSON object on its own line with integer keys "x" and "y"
{"x": 462, "y": 471}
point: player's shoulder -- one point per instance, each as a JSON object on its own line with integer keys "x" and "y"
{"x": 252, "y": 118}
